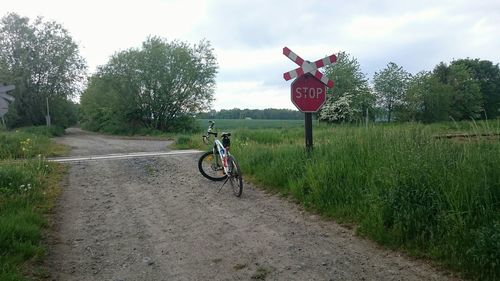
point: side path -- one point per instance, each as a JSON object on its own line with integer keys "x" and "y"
{"x": 156, "y": 218}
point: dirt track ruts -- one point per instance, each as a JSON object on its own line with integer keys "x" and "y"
{"x": 157, "y": 218}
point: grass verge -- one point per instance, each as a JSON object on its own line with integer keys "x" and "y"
{"x": 29, "y": 187}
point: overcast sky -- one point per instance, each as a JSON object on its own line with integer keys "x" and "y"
{"x": 248, "y": 36}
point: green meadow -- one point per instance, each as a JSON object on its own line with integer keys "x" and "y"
{"x": 230, "y": 124}
{"x": 432, "y": 191}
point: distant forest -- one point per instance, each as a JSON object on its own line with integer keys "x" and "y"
{"x": 268, "y": 113}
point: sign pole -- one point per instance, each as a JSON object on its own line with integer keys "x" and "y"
{"x": 47, "y": 118}
{"x": 309, "y": 131}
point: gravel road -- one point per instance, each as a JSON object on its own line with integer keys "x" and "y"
{"x": 157, "y": 218}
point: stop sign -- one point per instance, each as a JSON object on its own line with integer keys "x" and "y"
{"x": 308, "y": 93}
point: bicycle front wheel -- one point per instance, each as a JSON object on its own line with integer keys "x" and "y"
{"x": 235, "y": 177}
{"x": 210, "y": 166}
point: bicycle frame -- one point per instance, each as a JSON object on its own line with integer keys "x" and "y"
{"x": 218, "y": 149}
{"x": 223, "y": 154}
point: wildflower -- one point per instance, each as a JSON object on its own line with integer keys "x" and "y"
{"x": 22, "y": 185}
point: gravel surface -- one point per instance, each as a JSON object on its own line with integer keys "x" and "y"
{"x": 157, "y": 218}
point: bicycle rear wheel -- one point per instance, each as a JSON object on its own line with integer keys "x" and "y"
{"x": 210, "y": 166}
{"x": 235, "y": 177}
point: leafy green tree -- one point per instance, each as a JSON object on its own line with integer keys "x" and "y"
{"x": 466, "y": 100}
{"x": 390, "y": 86}
{"x": 350, "y": 97}
{"x": 102, "y": 108}
{"x": 159, "y": 86}
{"x": 44, "y": 63}
{"x": 412, "y": 103}
{"x": 487, "y": 75}
{"x": 436, "y": 99}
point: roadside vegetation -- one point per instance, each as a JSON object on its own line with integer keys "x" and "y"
{"x": 406, "y": 186}
{"x": 29, "y": 186}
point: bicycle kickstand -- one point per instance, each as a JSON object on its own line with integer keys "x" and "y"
{"x": 223, "y": 184}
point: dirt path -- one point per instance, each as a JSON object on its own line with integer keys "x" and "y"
{"x": 157, "y": 218}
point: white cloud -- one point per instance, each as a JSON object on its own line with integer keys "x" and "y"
{"x": 238, "y": 59}
{"x": 105, "y": 27}
{"x": 251, "y": 94}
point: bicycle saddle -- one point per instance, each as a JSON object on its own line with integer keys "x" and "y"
{"x": 225, "y": 134}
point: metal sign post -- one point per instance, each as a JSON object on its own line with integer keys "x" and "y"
{"x": 308, "y": 90}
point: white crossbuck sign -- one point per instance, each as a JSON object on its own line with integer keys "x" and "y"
{"x": 308, "y": 67}
{"x": 5, "y": 99}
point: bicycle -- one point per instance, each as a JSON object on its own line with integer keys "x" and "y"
{"x": 218, "y": 164}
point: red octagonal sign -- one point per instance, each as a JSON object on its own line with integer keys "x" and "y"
{"x": 308, "y": 93}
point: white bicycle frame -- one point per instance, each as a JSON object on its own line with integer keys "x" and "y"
{"x": 223, "y": 155}
{"x": 219, "y": 149}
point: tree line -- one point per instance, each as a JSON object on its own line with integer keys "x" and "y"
{"x": 164, "y": 85}
{"x": 464, "y": 89}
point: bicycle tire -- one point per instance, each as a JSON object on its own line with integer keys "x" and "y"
{"x": 235, "y": 178}
{"x": 211, "y": 169}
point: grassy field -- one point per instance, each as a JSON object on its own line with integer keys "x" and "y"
{"x": 403, "y": 186}
{"x": 229, "y": 124}
{"x": 28, "y": 189}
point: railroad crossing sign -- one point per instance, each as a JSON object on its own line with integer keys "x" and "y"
{"x": 5, "y": 99}
{"x": 309, "y": 89}
{"x": 308, "y": 93}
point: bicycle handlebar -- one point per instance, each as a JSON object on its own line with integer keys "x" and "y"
{"x": 209, "y": 132}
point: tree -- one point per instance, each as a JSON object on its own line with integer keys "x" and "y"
{"x": 487, "y": 75}
{"x": 156, "y": 86}
{"x": 412, "y": 103}
{"x": 436, "y": 99}
{"x": 466, "y": 100}
{"x": 43, "y": 61}
{"x": 390, "y": 86}
{"x": 350, "y": 98}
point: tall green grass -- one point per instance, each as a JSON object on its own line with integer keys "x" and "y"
{"x": 28, "y": 188}
{"x": 29, "y": 142}
{"x": 402, "y": 186}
